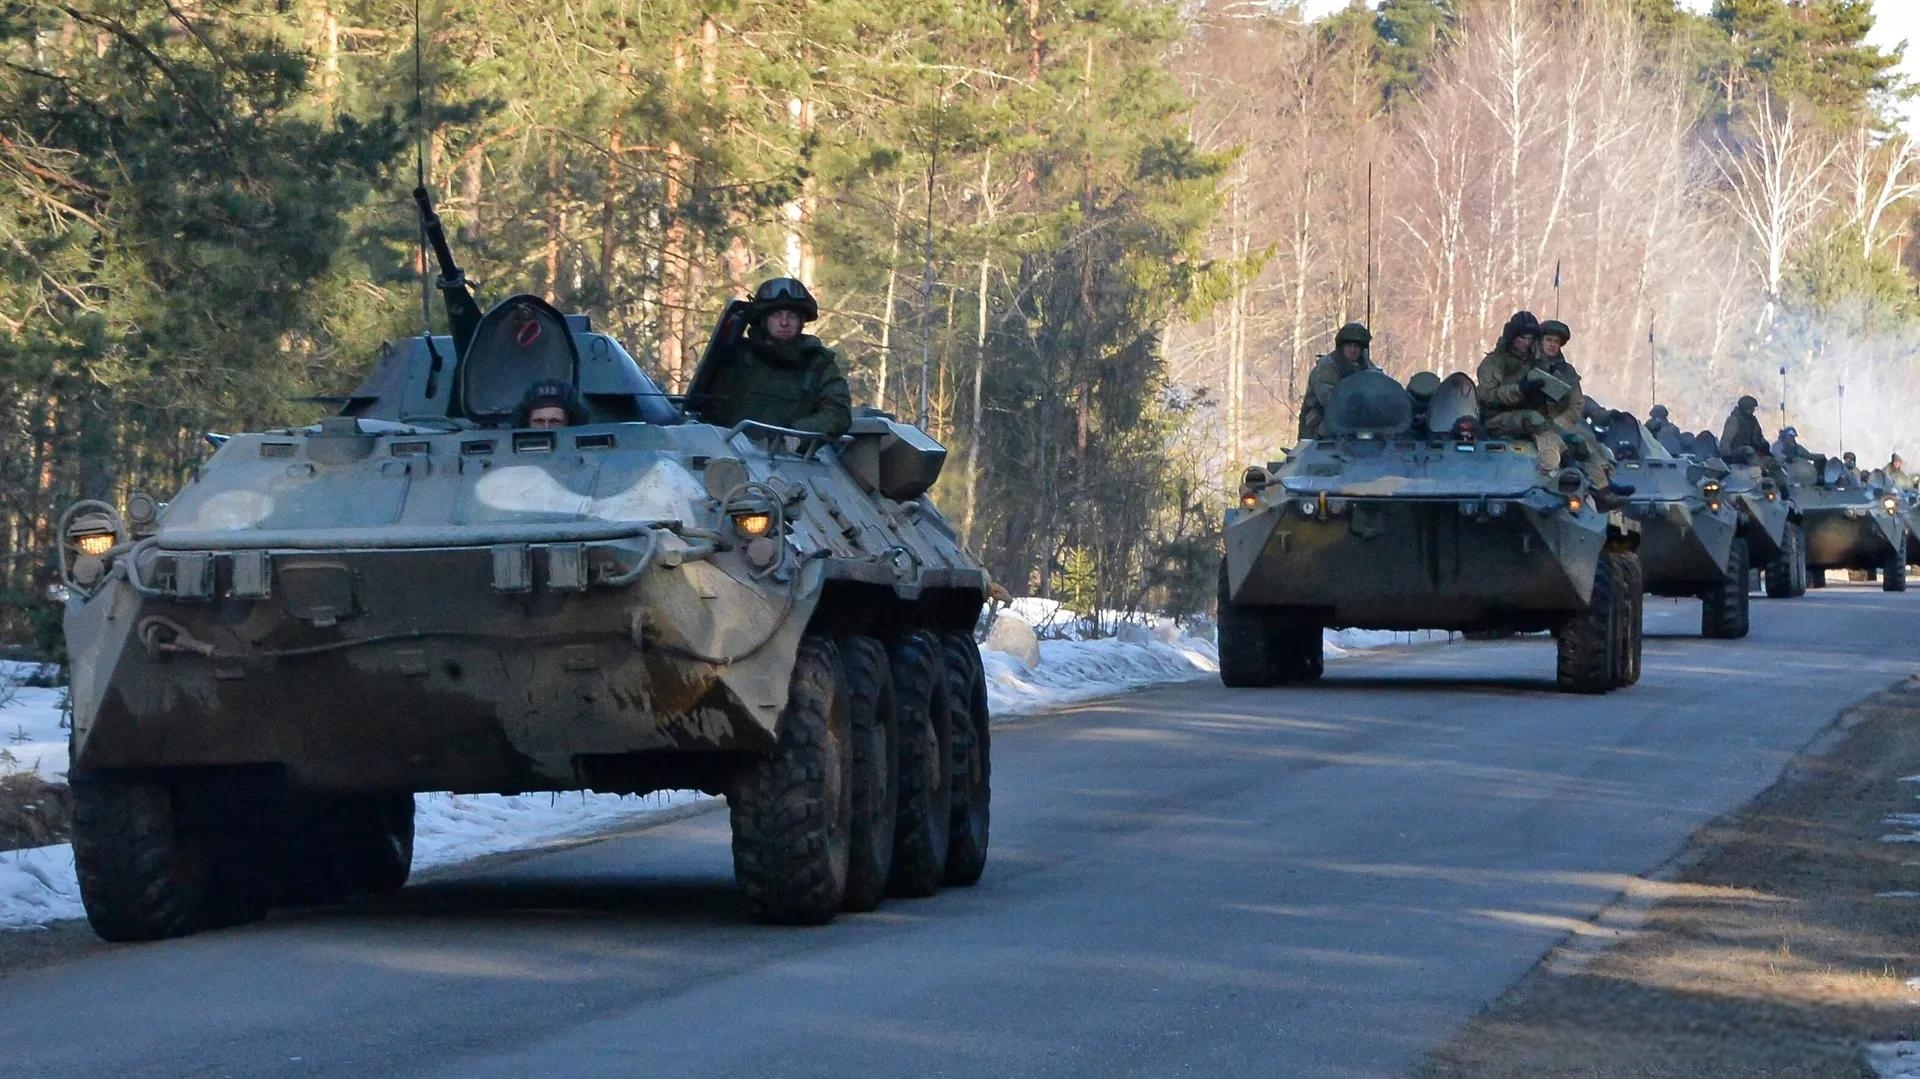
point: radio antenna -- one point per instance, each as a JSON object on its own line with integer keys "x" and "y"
{"x": 420, "y": 169}
{"x": 1369, "y": 245}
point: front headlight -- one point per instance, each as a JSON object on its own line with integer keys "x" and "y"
{"x": 1891, "y": 503}
{"x": 93, "y": 543}
{"x": 753, "y": 523}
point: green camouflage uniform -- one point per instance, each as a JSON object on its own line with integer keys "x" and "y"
{"x": 1511, "y": 409}
{"x": 798, "y": 384}
{"x": 1328, "y": 370}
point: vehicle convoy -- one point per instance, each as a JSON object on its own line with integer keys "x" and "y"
{"x": 1404, "y": 518}
{"x": 1693, "y": 540}
{"x": 1850, "y": 525}
{"x": 415, "y": 595}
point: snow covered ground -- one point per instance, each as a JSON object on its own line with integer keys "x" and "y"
{"x": 31, "y": 737}
{"x": 37, "y": 886}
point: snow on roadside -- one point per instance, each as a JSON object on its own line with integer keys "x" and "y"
{"x": 1894, "y": 1060}
{"x": 37, "y": 885}
{"x": 31, "y": 736}
{"x": 1075, "y": 671}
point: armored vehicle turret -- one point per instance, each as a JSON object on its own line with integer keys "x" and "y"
{"x": 423, "y": 593}
{"x": 1395, "y": 524}
{"x": 1693, "y": 538}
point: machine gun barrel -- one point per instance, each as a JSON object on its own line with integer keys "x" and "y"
{"x": 436, "y": 235}
{"x": 463, "y": 314}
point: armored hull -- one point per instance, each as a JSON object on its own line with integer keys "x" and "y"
{"x": 1393, "y": 522}
{"x": 495, "y": 612}
{"x": 1418, "y": 563}
{"x": 1850, "y": 528}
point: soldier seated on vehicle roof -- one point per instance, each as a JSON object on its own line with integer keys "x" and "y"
{"x": 550, "y": 403}
{"x": 1349, "y": 357}
{"x": 1515, "y": 402}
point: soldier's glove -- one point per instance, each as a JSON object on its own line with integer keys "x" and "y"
{"x": 1533, "y": 422}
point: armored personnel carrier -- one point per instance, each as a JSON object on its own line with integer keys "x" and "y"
{"x": 1772, "y": 525}
{"x": 418, "y": 595}
{"x": 1404, "y": 518}
{"x": 1850, "y": 525}
{"x": 1692, "y": 541}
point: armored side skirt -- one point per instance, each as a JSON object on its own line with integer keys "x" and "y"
{"x": 1855, "y": 538}
{"x": 1417, "y": 564}
{"x": 1682, "y": 552}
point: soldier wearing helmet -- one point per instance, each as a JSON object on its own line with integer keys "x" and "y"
{"x": 1349, "y": 357}
{"x": 1657, "y": 421}
{"x": 1896, "y": 471}
{"x": 779, "y": 375}
{"x": 1741, "y": 438}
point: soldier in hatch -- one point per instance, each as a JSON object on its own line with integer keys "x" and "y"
{"x": 1349, "y": 357}
{"x": 779, "y": 375}
{"x": 550, "y": 403}
{"x": 1657, "y": 421}
{"x": 1741, "y": 438}
{"x": 1896, "y": 471}
{"x": 1514, "y": 402}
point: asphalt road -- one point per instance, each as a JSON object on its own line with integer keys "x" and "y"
{"x": 1314, "y": 882}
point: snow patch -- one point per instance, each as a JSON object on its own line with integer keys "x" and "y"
{"x": 37, "y": 886}
{"x": 33, "y": 737}
{"x": 1894, "y": 1060}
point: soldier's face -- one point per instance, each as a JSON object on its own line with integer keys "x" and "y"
{"x": 1550, "y": 346}
{"x": 1522, "y": 342}
{"x": 547, "y": 417}
{"x": 784, "y": 325}
{"x": 1350, "y": 351}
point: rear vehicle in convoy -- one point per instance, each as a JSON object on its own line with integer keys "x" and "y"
{"x": 414, "y": 595}
{"x": 1406, "y": 519}
{"x": 1850, "y": 525}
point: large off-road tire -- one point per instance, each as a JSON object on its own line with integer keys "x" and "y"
{"x": 332, "y": 847}
{"x": 1724, "y": 607}
{"x": 1786, "y": 574}
{"x": 793, "y": 809}
{"x": 1251, "y": 652}
{"x": 876, "y": 766}
{"x": 1632, "y": 595}
{"x": 377, "y": 852}
{"x": 1893, "y": 576}
{"x": 1589, "y": 642}
{"x": 143, "y": 874}
{"x": 972, "y": 760}
{"x": 924, "y": 791}
{"x": 1305, "y": 644}
{"x": 1816, "y": 577}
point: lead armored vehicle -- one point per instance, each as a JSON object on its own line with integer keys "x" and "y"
{"x": 418, "y": 595}
{"x": 1850, "y": 525}
{"x": 1400, "y": 523}
{"x": 1692, "y": 532}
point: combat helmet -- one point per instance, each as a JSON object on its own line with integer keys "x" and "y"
{"x": 1748, "y": 402}
{"x": 784, "y": 294}
{"x": 1355, "y": 333}
{"x": 1657, "y": 412}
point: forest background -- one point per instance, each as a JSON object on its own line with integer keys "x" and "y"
{"x": 1097, "y": 243}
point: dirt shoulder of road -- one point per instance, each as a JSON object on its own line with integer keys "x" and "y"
{"x": 1777, "y": 943}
